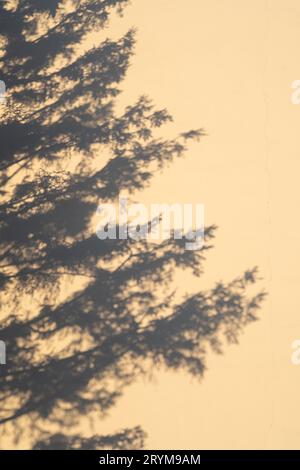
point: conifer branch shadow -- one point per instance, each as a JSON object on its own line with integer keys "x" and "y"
{"x": 100, "y": 313}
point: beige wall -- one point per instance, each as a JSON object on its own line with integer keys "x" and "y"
{"x": 228, "y": 65}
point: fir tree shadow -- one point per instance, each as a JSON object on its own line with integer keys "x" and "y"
{"x": 74, "y": 349}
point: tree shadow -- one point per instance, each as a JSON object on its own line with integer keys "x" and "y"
{"x": 100, "y": 313}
